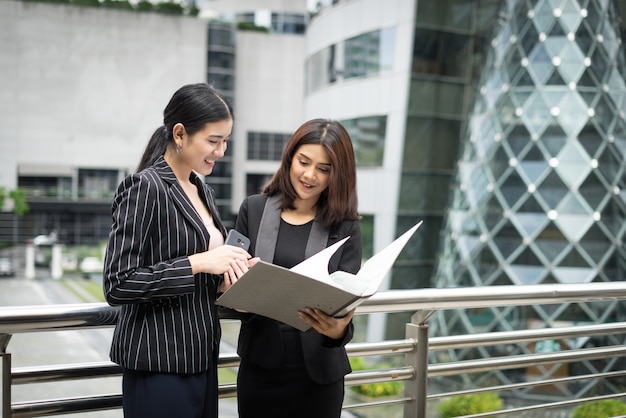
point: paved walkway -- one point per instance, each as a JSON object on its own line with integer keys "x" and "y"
{"x": 87, "y": 346}
{"x": 65, "y": 347}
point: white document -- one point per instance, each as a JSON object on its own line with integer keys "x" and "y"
{"x": 279, "y": 293}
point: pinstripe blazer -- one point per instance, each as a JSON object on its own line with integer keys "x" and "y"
{"x": 167, "y": 321}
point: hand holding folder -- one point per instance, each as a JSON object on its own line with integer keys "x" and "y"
{"x": 279, "y": 293}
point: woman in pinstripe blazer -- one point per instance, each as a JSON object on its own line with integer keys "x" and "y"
{"x": 165, "y": 262}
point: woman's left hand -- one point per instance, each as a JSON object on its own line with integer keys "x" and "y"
{"x": 329, "y": 326}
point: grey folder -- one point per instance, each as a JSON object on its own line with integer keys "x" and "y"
{"x": 279, "y": 293}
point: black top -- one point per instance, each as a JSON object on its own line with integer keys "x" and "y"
{"x": 260, "y": 338}
{"x": 291, "y": 243}
{"x": 290, "y": 248}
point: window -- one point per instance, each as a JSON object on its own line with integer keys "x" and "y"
{"x": 255, "y": 183}
{"x": 223, "y": 82}
{"x": 367, "y": 236}
{"x": 43, "y": 186}
{"x": 369, "y": 53}
{"x": 97, "y": 184}
{"x": 441, "y": 53}
{"x": 320, "y": 69}
{"x": 221, "y": 34}
{"x": 221, "y": 59}
{"x": 266, "y": 146}
{"x": 364, "y": 55}
{"x": 288, "y": 23}
{"x": 368, "y": 139}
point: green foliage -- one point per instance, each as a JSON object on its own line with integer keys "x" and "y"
{"x": 169, "y": 8}
{"x": 600, "y": 409}
{"x": 193, "y": 11}
{"x": 144, "y": 6}
{"x": 374, "y": 389}
{"x": 20, "y": 205}
{"x": 18, "y": 196}
{"x": 118, "y": 4}
{"x": 251, "y": 27}
{"x": 476, "y": 403}
{"x": 5, "y": 244}
{"x": 89, "y": 3}
{"x": 88, "y": 251}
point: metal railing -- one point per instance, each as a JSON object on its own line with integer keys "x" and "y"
{"x": 415, "y": 347}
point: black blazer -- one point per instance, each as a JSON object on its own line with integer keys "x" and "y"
{"x": 259, "y": 338}
{"x": 168, "y": 320}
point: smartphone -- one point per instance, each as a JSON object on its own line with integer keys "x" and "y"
{"x": 237, "y": 239}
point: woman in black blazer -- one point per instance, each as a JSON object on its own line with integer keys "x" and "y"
{"x": 165, "y": 259}
{"x": 309, "y": 204}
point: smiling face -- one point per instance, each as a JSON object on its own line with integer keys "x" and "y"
{"x": 310, "y": 172}
{"x": 200, "y": 150}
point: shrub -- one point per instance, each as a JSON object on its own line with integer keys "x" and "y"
{"x": 118, "y": 4}
{"x": 193, "y": 11}
{"x": 144, "y": 6}
{"x": 476, "y": 403}
{"x": 600, "y": 409}
{"x": 251, "y": 27}
{"x": 88, "y": 3}
{"x": 169, "y": 8}
{"x": 374, "y": 389}
{"x": 48, "y": 1}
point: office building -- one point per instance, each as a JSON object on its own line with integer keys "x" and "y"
{"x": 508, "y": 144}
{"x": 85, "y": 87}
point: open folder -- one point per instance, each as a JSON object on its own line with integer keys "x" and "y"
{"x": 279, "y": 293}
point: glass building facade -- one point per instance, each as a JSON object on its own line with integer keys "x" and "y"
{"x": 449, "y": 40}
{"x": 221, "y": 61}
{"x": 539, "y": 195}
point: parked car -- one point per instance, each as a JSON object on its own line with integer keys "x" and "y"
{"x": 91, "y": 266}
{"x": 6, "y": 267}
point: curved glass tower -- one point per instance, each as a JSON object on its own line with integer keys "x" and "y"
{"x": 540, "y": 192}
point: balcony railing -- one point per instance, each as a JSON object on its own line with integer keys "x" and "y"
{"x": 415, "y": 348}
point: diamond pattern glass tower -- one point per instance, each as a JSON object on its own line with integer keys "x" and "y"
{"x": 540, "y": 192}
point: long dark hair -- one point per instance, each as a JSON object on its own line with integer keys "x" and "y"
{"x": 339, "y": 200}
{"x": 193, "y": 105}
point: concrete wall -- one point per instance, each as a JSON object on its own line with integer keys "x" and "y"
{"x": 86, "y": 87}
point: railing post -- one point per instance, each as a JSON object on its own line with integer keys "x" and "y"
{"x": 417, "y": 388}
{"x": 6, "y": 375}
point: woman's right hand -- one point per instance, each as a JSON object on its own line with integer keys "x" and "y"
{"x": 218, "y": 260}
{"x": 235, "y": 272}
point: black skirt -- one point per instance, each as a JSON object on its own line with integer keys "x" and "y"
{"x": 286, "y": 391}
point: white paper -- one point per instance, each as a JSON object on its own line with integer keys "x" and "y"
{"x": 279, "y": 293}
{"x": 376, "y": 268}
{"x": 316, "y": 266}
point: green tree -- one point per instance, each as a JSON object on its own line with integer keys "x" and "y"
{"x": 18, "y": 196}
